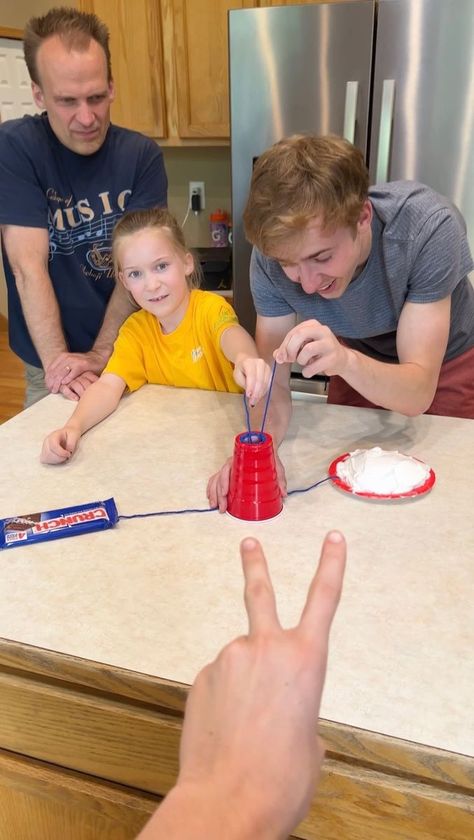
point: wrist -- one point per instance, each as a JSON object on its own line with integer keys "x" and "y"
{"x": 350, "y": 363}
{"x": 240, "y": 358}
{"x": 73, "y": 425}
{"x": 209, "y": 812}
{"x": 103, "y": 352}
{"x": 49, "y": 358}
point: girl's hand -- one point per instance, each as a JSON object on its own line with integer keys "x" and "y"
{"x": 254, "y": 376}
{"x": 70, "y": 366}
{"x": 60, "y": 445}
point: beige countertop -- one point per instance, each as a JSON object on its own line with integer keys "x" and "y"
{"x": 162, "y": 595}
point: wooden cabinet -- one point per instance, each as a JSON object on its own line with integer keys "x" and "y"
{"x": 136, "y": 42}
{"x": 42, "y": 802}
{"x": 201, "y": 64}
{"x": 170, "y": 65}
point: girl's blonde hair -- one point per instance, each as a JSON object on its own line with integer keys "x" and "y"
{"x": 155, "y": 218}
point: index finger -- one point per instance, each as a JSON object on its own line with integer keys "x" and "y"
{"x": 68, "y": 393}
{"x": 259, "y": 595}
{"x": 325, "y": 588}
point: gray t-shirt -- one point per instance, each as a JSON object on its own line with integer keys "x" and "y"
{"x": 419, "y": 253}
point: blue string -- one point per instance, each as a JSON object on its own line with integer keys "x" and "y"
{"x": 247, "y": 412}
{"x": 213, "y": 509}
{"x": 247, "y": 415}
{"x": 168, "y": 513}
{"x": 268, "y": 397}
{"x": 311, "y": 487}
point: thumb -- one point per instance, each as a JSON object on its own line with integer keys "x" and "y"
{"x": 280, "y": 355}
{"x": 70, "y": 440}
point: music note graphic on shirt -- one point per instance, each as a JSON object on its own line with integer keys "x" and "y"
{"x": 100, "y": 258}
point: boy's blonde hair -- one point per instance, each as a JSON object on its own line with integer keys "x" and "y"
{"x": 155, "y": 218}
{"x": 299, "y": 178}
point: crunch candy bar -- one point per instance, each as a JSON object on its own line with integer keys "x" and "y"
{"x": 55, "y": 524}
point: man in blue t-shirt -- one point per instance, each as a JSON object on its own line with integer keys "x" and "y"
{"x": 66, "y": 177}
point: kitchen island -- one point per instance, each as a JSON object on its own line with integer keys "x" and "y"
{"x": 103, "y": 633}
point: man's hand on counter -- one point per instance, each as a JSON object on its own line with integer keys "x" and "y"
{"x": 250, "y": 755}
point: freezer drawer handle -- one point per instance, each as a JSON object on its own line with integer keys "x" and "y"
{"x": 385, "y": 131}
{"x": 350, "y": 111}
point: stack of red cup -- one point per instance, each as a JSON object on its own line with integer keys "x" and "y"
{"x": 254, "y": 494}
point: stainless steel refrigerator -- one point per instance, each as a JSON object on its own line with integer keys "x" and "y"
{"x": 396, "y": 77}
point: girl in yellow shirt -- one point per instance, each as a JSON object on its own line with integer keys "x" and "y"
{"x": 181, "y": 336}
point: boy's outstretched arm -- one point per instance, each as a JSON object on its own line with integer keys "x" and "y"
{"x": 250, "y": 755}
{"x": 100, "y": 400}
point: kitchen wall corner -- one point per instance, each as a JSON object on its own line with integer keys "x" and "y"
{"x": 16, "y": 14}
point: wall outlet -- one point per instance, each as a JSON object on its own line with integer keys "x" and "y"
{"x": 197, "y": 187}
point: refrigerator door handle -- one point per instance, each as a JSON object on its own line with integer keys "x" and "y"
{"x": 385, "y": 131}
{"x": 350, "y": 111}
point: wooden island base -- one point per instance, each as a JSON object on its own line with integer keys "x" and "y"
{"x": 88, "y": 750}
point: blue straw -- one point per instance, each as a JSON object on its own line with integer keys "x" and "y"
{"x": 247, "y": 415}
{"x": 247, "y": 412}
{"x": 268, "y": 397}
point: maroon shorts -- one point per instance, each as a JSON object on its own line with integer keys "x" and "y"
{"x": 454, "y": 395}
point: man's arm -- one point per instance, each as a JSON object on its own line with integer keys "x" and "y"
{"x": 118, "y": 309}
{"x": 27, "y": 250}
{"x": 408, "y": 387}
{"x": 120, "y": 306}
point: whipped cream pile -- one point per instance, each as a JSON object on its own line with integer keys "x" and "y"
{"x": 378, "y": 471}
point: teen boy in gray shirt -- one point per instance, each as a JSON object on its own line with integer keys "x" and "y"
{"x": 377, "y": 278}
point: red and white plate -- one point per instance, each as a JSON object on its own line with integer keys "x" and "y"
{"x": 391, "y": 497}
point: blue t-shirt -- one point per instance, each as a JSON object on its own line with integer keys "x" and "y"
{"x": 78, "y": 199}
{"x": 419, "y": 253}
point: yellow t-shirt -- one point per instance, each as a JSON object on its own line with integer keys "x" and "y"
{"x": 189, "y": 357}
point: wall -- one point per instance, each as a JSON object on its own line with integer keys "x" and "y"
{"x": 199, "y": 164}
{"x": 15, "y": 14}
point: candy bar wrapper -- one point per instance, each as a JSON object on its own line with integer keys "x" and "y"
{"x": 55, "y": 524}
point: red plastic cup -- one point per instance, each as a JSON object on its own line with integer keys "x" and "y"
{"x": 254, "y": 494}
